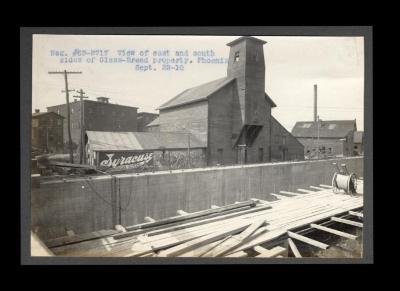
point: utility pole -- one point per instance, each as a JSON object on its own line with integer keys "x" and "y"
{"x": 65, "y": 73}
{"x": 315, "y": 117}
{"x": 82, "y": 152}
{"x": 318, "y": 137}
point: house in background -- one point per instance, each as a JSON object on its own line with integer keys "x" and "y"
{"x": 47, "y": 132}
{"x": 232, "y": 115}
{"x": 143, "y": 119}
{"x": 358, "y": 143}
{"x": 330, "y": 139}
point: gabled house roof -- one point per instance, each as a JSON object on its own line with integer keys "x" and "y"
{"x": 138, "y": 141}
{"x": 327, "y": 129}
{"x": 201, "y": 93}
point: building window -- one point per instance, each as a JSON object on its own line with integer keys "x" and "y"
{"x": 283, "y": 140}
{"x": 236, "y": 59}
{"x": 220, "y": 154}
{"x": 261, "y": 155}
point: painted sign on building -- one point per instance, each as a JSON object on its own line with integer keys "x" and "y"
{"x": 115, "y": 161}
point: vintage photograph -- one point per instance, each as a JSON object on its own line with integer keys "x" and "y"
{"x": 197, "y": 146}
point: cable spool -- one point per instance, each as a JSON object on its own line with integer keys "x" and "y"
{"x": 348, "y": 183}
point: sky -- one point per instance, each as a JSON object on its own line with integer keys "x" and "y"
{"x": 293, "y": 65}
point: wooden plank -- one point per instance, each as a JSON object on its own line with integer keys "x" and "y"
{"x": 346, "y": 221}
{"x": 325, "y": 186}
{"x": 195, "y": 221}
{"x": 294, "y": 248}
{"x": 305, "y": 191}
{"x": 232, "y": 242}
{"x": 181, "y": 212}
{"x": 318, "y": 188}
{"x": 289, "y": 193}
{"x": 334, "y": 231}
{"x": 149, "y": 219}
{"x": 214, "y": 206}
{"x": 276, "y": 251}
{"x": 279, "y": 196}
{"x": 191, "y": 215}
{"x": 308, "y": 240}
{"x": 240, "y": 254}
{"x": 356, "y": 214}
{"x": 185, "y": 247}
{"x": 79, "y": 238}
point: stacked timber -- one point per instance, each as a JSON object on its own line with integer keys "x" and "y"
{"x": 234, "y": 230}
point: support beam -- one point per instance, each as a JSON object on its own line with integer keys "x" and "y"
{"x": 305, "y": 191}
{"x": 346, "y": 221}
{"x": 318, "y": 188}
{"x": 294, "y": 248}
{"x": 334, "y": 231}
{"x": 120, "y": 228}
{"x": 358, "y": 214}
{"x": 289, "y": 193}
{"x": 308, "y": 240}
{"x": 149, "y": 219}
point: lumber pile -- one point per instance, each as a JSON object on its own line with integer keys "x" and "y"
{"x": 231, "y": 231}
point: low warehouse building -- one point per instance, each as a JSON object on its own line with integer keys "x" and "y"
{"x": 143, "y": 151}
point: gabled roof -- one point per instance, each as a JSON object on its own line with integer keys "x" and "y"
{"x": 328, "y": 128}
{"x": 358, "y": 137}
{"x": 246, "y": 38}
{"x": 155, "y": 122}
{"x": 138, "y": 141}
{"x": 201, "y": 93}
{"x": 38, "y": 114}
{"x": 196, "y": 94}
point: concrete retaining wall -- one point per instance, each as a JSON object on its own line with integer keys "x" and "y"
{"x": 127, "y": 199}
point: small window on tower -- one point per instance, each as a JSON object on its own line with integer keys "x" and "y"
{"x": 236, "y": 57}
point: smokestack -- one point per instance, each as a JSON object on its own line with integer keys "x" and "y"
{"x": 315, "y": 103}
